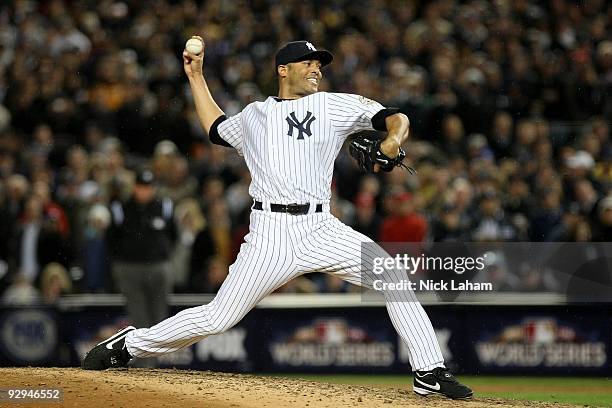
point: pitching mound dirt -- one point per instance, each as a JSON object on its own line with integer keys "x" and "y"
{"x": 179, "y": 388}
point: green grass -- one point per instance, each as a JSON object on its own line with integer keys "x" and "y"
{"x": 571, "y": 390}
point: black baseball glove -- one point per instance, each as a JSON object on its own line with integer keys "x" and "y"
{"x": 365, "y": 148}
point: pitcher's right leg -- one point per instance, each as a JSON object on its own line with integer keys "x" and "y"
{"x": 265, "y": 262}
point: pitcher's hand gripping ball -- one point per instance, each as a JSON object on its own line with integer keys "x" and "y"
{"x": 194, "y": 46}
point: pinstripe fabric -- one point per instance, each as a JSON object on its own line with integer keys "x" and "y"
{"x": 280, "y": 247}
{"x": 327, "y": 245}
{"x": 259, "y": 269}
{"x": 286, "y": 170}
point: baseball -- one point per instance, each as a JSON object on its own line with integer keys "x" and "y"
{"x": 194, "y": 46}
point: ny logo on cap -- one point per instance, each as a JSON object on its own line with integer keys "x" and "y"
{"x": 302, "y": 127}
{"x": 310, "y": 46}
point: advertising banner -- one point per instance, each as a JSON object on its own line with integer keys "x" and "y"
{"x": 551, "y": 340}
{"x": 332, "y": 342}
{"x": 29, "y": 336}
{"x": 548, "y": 343}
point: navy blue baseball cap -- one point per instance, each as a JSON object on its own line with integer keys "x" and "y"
{"x": 296, "y": 51}
{"x": 145, "y": 177}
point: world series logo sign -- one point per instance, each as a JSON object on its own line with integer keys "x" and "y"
{"x": 332, "y": 342}
{"x": 542, "y": 342}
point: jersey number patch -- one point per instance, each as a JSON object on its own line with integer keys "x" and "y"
{"x": 302, "y": 127}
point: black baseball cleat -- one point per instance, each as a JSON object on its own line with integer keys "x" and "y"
{"x": 440, "y": 381}
{"x": 111, "y": 353}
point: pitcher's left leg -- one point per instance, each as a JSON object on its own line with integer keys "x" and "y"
{"x": 335, "y": 248}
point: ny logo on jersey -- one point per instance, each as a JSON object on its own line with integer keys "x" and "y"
{"x": 302, "y": 127}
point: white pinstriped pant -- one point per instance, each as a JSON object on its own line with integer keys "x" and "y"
{"x": 278, "y": 248}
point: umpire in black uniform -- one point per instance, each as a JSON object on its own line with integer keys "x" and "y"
{"x": 141, "y": 237}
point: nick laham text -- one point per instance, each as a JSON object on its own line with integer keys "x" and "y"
{"x": 433, "y": 285}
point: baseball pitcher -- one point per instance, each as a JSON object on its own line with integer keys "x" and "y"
{"x": 289, "y": 143}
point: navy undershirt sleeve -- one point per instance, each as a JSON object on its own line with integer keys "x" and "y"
{"x": 378, "y": 120}
{"x": 213, "y": 135}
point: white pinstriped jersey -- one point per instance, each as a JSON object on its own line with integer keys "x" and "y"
{"x": 290, "y": 145}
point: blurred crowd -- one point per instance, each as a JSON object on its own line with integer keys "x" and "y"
{"x": 509, "y": 102}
